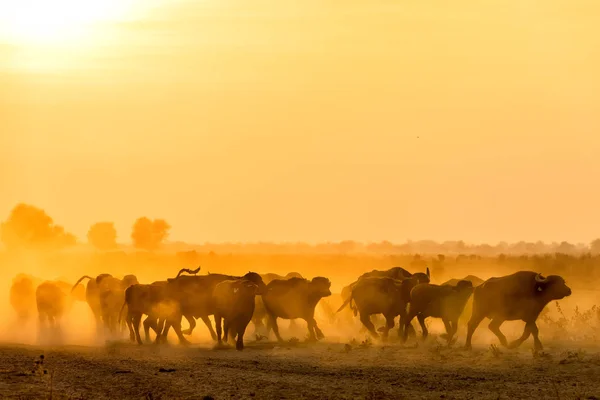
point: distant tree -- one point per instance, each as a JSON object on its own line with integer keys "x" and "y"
{"x": 103, "y": 236}
{"x": 149, "y": 234}
{"x": 566, "y": 248}
{"x": 30, "y": 227}
{"x": 595, "y": 246}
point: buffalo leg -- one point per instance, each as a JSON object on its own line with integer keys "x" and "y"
{"x": 389, "y": 324}
{"x": 421, "y": 319}
{"x": 136, "y": 320}
{"x": 192, "y": 321}
{"x": 208, "y": 324}
{"x": 241, "y": 329}
{"x": 318, "y": 331}
{"x": 161, "y": 336}
{"x": 150, "y": 322}
{"x": 494, "y": 326}
{"x": 516, "y": 343}
{"x": 311, "y": 329}
{"x": 406, "y": 323}
{"x": 273, "y": 325}
{"x": 219, "y": 328}
{"x": 259, "y": 326}
{"x": 176, "y": 324}
{"x": 452, "y": 334}
{"x": 366, "y": 320}
{"x": 536, "y": 340}
{"x": 472, "y": 326}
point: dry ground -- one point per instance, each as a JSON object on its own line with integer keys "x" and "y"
{"x": 320, "y": 371}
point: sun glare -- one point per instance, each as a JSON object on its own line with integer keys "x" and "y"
{"x": 56, "y": 22}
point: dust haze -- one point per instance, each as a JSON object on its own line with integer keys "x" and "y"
{"x": 34, "y": 245}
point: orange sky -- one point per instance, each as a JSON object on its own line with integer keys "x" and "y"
{"x": 315, "y": 120}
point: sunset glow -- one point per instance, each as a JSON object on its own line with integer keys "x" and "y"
{"x": 41, "y": 22}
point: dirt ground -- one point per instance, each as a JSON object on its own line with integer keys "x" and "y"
{"x": 312, "y": 371}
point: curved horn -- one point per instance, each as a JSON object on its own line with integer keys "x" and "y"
{"x": 540, "y": 279}
{"x": 194, "y": 272}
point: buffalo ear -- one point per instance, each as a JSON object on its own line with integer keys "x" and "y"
{"x": 429, "y": 276}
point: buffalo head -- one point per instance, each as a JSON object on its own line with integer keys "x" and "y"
{"x": 246, "y": 288}
{"x": 321, "y": 286}
{"x": 420, "y": 277}
{"x": 257, "y": 280}
{"x": 128, "y": 280}
{"x": 553, "y": 286}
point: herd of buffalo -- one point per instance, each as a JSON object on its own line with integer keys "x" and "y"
{"x": 235, "y": 301}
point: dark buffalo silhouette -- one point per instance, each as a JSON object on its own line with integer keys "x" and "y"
{"x": 22, "y": 296}
{"x": 192, "y": 296}
{"x": 142, "y": 299}
{"x": 398, "y": 273}
{"x": 111, "y": 292}
{"x": 54, "y": 299}
{"x": 100, "y": 297}
{"x": 520, "y": 296}
{"x": 379, "y": 295}
{"x": 260, "y": 313}
{"x": 234, "y": 304}
{"x": 476, "y": 281}
{"x": 295, "y": 298}
{"x": 445, "y": 302}
{"x": 383, "y": 302}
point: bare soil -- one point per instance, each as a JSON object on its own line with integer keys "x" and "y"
{"x": 291, "y": 371}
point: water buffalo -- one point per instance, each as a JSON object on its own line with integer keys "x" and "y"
{"x": 234, "y": 303}
{"x": 54, "y": 299}
{"x": 520, "y": 296}
{"x": 192, "y": 296}
{"x": 445, "y": 302}
{"x": 379, "y": 295}
{"x": 471, "y": 278}
{"x": 295, "y": 298}
{"x": 111, "y": 293}
{"x": 93, "y": 295}
{"x": 394, "y": 273}
{"x": 260, "y": 314}
{"x": 22, "y": 296}
{"x": 150, "y": 300}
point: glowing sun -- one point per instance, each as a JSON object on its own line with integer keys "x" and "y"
{"x": 40, "y": 22}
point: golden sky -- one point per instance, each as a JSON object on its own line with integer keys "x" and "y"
{"x": 310, "y": 120}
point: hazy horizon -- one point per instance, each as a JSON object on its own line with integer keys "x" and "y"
{"x": 312, "y": 122}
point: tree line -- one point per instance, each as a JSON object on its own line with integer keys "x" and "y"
{"x": 30, "y": 227}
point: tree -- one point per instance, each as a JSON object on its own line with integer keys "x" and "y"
{"x": 595, "y": 246}
{"x": 30, "y": 227}
{"x": 149, "y": 234}
{"x": 103, "y": 236}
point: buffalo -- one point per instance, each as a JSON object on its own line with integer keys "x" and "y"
{"x": 101, "y": 293}
{"x": 471, "y": 278}
{"x": 191, "y": 296}
{"x": 383, "y": 295}
{"x": 379, "y": 295}
{"x": 519, "y": 296}
{"x": 260, "y": 314}
{"x": 397, "y": 273}
{"x": 111, "y": 293}
{"x": 295, "y": 298}
{"x": 149, "y": 299}
{"x": 54, "y": 299}
{"x": 445, "y": 302}
{"x": 22, "y": 296}
{"x": 234, "y": 304}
